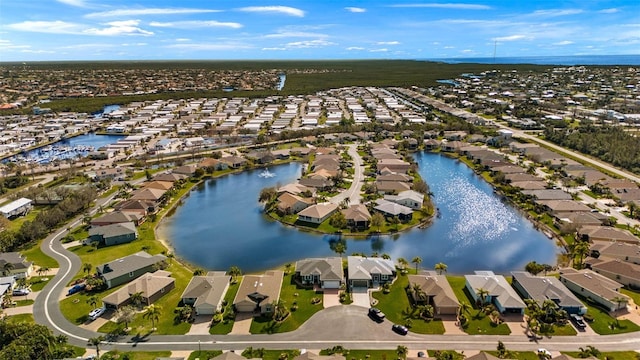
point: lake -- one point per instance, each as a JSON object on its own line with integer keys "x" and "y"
{"x": 221, "y": 224}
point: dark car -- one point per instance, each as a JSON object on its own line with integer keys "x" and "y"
{"x": 376, "y": 314}
{"x": 76, "y": 288}
{"x": 578, "y": 321}
{"x": 402, "y": 330}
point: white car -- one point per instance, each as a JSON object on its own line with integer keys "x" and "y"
{"x": 544, "y": 352}
{"x": 21, "y": 292}
{"x": 96, "y": 313}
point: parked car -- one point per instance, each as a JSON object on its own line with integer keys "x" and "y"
{"x": 76, "y": 288}
{"x": 21, "y": 292}
{"x": 376, "y": 314}
{"x": 542, "y": 352}
{"x": 578, "y": 321}
{"x": 96, "y": 313}
{"x": 402, "y": 330}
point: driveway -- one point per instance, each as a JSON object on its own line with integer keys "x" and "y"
{"x": 200, "y": 325}
{"x": 242, "y": 324}
{"x": 331, "y": 297}
{"x": 360, "y": 297}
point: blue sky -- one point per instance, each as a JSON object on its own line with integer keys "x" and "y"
{"x": 33, "y": 30}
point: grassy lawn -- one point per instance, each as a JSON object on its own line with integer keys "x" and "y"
{"x": 270, "y": 354}
{"x": 24, "y": 302}
{"x": 397, "y": 308}
{"x": 563, "y": 330}
{"x": 367, "y": 354}
{"x": 204, "y": 354}
{"x": 224, "y": 327}
{"x": 38, "y": 257}
{"x": 20, "y": 318}
{"x": 520, "y": 355}
{"x": 478, "y": 323}
{"x": 291, "y": 294}
{"x": 602, "y": 321}
{"x": 635, "y": 295}
{"x": 36, "y": 283}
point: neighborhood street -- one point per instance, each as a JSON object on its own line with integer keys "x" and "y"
{"x": 353, "y": 192}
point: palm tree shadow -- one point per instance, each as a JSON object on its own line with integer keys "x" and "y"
{"x": 138, "y": 338}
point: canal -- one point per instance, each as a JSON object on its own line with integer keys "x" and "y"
{"x": 221, "y": 224}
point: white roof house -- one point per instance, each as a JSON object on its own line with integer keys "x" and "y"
{"x": 16, "y": 208}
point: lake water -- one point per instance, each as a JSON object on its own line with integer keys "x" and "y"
{"x": 77, "y": 146}
{"x": 221, "y": 224}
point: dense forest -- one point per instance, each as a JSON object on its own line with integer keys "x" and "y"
{"x": 609, "y": 143}
{"x": 26, "y": 341}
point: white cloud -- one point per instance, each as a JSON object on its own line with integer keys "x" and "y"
{"x": 192, "y": 24}
{"x": 147, "y": 11}
{"x": 446, "y": 6}
{"x": 209, "y": 46}
{"x": 379, "y": 50}
{"x": 126, "y": 27}
{"x": 48, "y": 27}
{"x": 355, "y": 48}
{"x": 609, "y": 11}
{"x": 309, "y": 44}
{"x": 183, "y": 39}
{"x": 286, "y": 34}
{"x": 467, "y": 51}
{"x": 563, "y": 43}
{"x": 77, "y": 3}
{"x": 556, "y": 12}
{"x": 509, "y": 38}
{"x": 355, "y": 9}
{"x": 287, "y": 10}
{"x": 274, "y": 49}
{"x": 388, "y": 43}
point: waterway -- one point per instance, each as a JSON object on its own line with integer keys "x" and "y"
{"x": 221, "y": 224}
{"x": 281, "y": 80}
{"x": 77, "y": 146}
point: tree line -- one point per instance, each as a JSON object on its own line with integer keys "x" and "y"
{"x": 26, "y": 341}
{"x": 608, "y": 143}
{"x": 46, "y": 220}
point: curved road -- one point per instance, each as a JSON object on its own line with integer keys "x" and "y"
{"x": 353, "y": 192}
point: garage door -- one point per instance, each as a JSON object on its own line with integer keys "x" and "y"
{"x": 360, "y": 283}
{"x": 331, "y": 284}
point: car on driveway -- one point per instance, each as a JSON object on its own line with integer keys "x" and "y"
{"x": 376, "y": 314}
{"x": 21, "y": 292}
{"x": 578, "y": 321}
{"x": 96, "y": 313}
{"x": 402, "y": 330}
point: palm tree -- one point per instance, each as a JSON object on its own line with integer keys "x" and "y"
{"x": 170, "y": 256}
{"x": 464, "y": 308}
{"x": 95, "y": 341}
{"x": 402, "y": 351}
{"x": 136, "y": 298}
{"x": 125, "y": 315}
{"x": 198, "y": 272}
{"x": 339, "y": 248}
{"x": 441, "y": 267}
{"x": 403, "y": 262}
{"x": 417, "y": 292}
{"x": 416, "y": 260}
{"x": 234, "y": 272}
{"x": 483, "y": 293}
{"x": 93, "y": 301}
{"x": 42, "y": 270}
{"x": 619, "y": 300}
{"x": 87, "y": 267}
{"x": 152, "y": 312}
{"x": 580, "y": 250}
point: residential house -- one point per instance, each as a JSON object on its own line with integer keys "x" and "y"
{"x": 140, "y": 207}
{"x": 395, "y": 177}
{"x": 108, "y": 174}
{"x": 308, "y": 355}
{"x": 20, "y": 267}
{"x": 215, "y": 164}
{"x": 258, "y": 293}
{"x": 292, "y": 204}
{"x": 317, "y": 184}
{"x": 113, "y": 234}
{"x": 187, "y": 170}
{"x": 16, "y": 208}
{"x": 7, "y": 283}
{"x": 606, "y": 233}
{"x": 548, "y": 194}
{"x": 594, "y": 286}
{"x": 616, "y": 250}
{"x": 206, "y": 293}
{"x": 234, "y": 162}
{"x": 563, "y": 208}
{"x": 327, "y": 273}
{"x": 317, "y": 213}
{"x": 529, "y": 185}
{"x": 395, "y": 165}
{"x": 146, "y": 194}
{"x": 357, "y": 216}
{"x": 296, "y": 189}
{"x": 435, "y": 290}
{"x": 117, "y": 217}
{"x": 170, "y": 177}
{"x": 391, "y": 187}
{"x": 230, "y": 355}
{"x": 409, "y": 198}
{"x": 156, "y": 184}
{"x": 451, "y": 146}
{"x": 391, "y": 209}
{"x": 365, "y": 272}
{"x": 625, "y": 273}
{"x": 541, "y": 288}
{"x": 499, "y": 292}
{"x": 152, "y": 286}
{"x": 129, "y": 268}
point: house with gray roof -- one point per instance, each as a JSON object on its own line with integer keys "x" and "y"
{"x": 607, "y": 233}
{"x": 16, "y": 208}
{"x": 20, "y": 267}
{"x": 391, "y": 209}
{"x": 594, "y": 286}
{"x": 325, "y": 272}
{"x": 114, "y": 234}
{"x": 206, "y": 293}
{"x": 128, "y": 268}
{"x": 365, "y": 272}
{"x": 317, "y": 213}
{"x": 436, "y": 291}
{"x": 542, "y": 288}
{"x": 616, "y": 250}
{"x": 409, "y": 198}
{"x": 308, "y": 355}
{"x": 548, "y": 194}
{"x": 117, "y": 217}
{"x": 625, "y": 273}
{"x": 499, "y": 292}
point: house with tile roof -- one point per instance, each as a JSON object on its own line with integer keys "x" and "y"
{"x": 616, "y": 250}
{"x": 499, "y": 292}
{"x": 626, "y": 273}
{"x": 357, "y": 216}
{"x": 435, "y": 290}
{"x": 258, "y": 293}
{"x": 317, "y": 213}
{"x": 365, "y": 272}
{"x": 152, "y": 286}
{"x": 327, "y": 273}
{"x": 542, "y": 288}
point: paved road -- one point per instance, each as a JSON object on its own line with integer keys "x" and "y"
{"x": 353, "y": 192}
